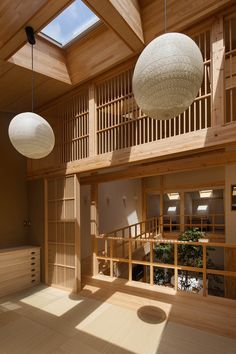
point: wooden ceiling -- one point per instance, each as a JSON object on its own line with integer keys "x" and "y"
{"x": 127, "y": 25}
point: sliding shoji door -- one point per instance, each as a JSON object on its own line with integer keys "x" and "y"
{"x": 62, "y": 232}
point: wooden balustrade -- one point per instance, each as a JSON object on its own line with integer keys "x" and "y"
{"x": 136, "y": 245}
{"x": 121, "y": 123}
{"x": 149, "y": 260}
{"x": 212, "y": 223}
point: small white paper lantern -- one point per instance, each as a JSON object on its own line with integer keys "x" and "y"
{"x": 167, "y": 76}
{"x": 31, "y": 135}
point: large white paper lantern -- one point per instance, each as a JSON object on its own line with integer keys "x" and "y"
{"x": 31, "y": 135}
{"x": 167, "y": 76}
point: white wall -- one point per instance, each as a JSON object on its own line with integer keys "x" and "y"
{"x": 119, "y": 204}
{"x": 230, "y": 215}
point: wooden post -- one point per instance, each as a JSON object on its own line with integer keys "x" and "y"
{"x": 176, "y": 264}
{"x": 204, "y": 274}
{"x": 144, "y": 202}
{"x": 130, "y": 258}
{"x": 182, "y": 211}
{"x": 217, "y": 74}
{"x": 92, "y": 122}
{"x": 77, "y": 235}
{"x": 46, "y": 229}
{"x": 151, "y": 263}
{"x": 161, "y": 220}
{"x": 111, "y": 258}
{"x": 94, "y": 226}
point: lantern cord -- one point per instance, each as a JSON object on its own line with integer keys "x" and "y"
{"x": 165, "y": 15}
{"x": 32, "y": 68}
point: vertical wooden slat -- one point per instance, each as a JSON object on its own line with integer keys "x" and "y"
{"x": 217, "y": 43}
{"x": 204, "y": 275}
{"x": 130, "y": 258}
{"x": 92, "y": 121}
{"x": 77, "y": 286}
{"x": 46, "y": 229}
{"x": 176, "y": 264}
{"x": 94, "y": 227}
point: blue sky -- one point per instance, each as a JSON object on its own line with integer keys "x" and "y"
{"x": 74, "y": 20}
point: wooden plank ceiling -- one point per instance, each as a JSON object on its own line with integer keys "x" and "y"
{"x": 125, "y": 28}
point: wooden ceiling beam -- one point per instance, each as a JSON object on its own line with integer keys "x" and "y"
{"x": 17, "y": 14}
{"x": 123, "y": 17}
{"x": 192, "y": 163}
{"x": 49, "y": 59}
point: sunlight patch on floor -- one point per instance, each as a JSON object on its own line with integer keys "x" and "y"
{"x": 53, "y": 301}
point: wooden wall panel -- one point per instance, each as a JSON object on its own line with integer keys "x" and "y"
{"x": 105, "y": 50}
{"x": 62, "y": 233}
{"x": 180, "y": 14}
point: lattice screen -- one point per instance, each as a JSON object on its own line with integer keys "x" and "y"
{"x": 62, "y": 232}
{"x": 121, "y": 124}
{"x": 74, "y": 128}
{"x": 230, "y": 69}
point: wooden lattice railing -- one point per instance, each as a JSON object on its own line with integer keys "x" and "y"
{"x": 120, "y": 252}
{"x": 212, "y": 223}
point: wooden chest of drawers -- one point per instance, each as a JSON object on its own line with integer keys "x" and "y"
{"x": 19, "y": 269}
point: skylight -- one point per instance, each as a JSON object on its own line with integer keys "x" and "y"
{"x": 206, "y": 193}
{"x": 202, "y": 207}
{"x": 173, "y": 196}
{"x": 172, "y": 209}
{"x": 73, "y": 21}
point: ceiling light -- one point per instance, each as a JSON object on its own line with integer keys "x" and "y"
{"x": 168, "y": 75}
{"x": 29, "y": 133}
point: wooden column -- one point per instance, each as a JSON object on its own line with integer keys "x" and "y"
{"x": 92, "y": 122}
{"x": 161, "y": 220}
{"x": 217, "y": 72}
{"x": 46, "y": 229}
{"x": 77, "y": 235}
{"x": 182, "y": 211}
{"x": 94, "y": 226}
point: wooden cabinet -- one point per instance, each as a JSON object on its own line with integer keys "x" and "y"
{"x": 19, "y": 269}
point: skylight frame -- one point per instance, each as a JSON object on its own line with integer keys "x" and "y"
{"x": 72, "y": 12}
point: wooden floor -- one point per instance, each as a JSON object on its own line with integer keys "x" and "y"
{"x": 114, "y": 316}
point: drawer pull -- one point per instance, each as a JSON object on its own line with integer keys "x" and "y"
{"x": 33, "y": 280}
{"x": 33, "y": 275}
{"x": 33, "y": 252}
{"x": 32, "y": 258}
{"x": 33, "y": 270}
{"x": 32, "y": 264}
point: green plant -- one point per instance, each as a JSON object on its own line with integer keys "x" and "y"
{"x": 188, "y": 255}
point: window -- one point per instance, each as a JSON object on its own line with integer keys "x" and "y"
{"x": 74, "y": 20}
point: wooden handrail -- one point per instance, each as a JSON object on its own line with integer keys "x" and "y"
{"x": 129, "y": 227}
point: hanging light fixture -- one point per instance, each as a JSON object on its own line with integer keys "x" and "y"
{"x": 168, "y": 75}
{"x": 29, "y": 133}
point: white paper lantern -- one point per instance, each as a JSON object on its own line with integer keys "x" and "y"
{"x": 31, "y": 135}
{"x": 167, "y": 76}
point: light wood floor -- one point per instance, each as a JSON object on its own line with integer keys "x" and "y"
{"x": 115, "y": 317}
